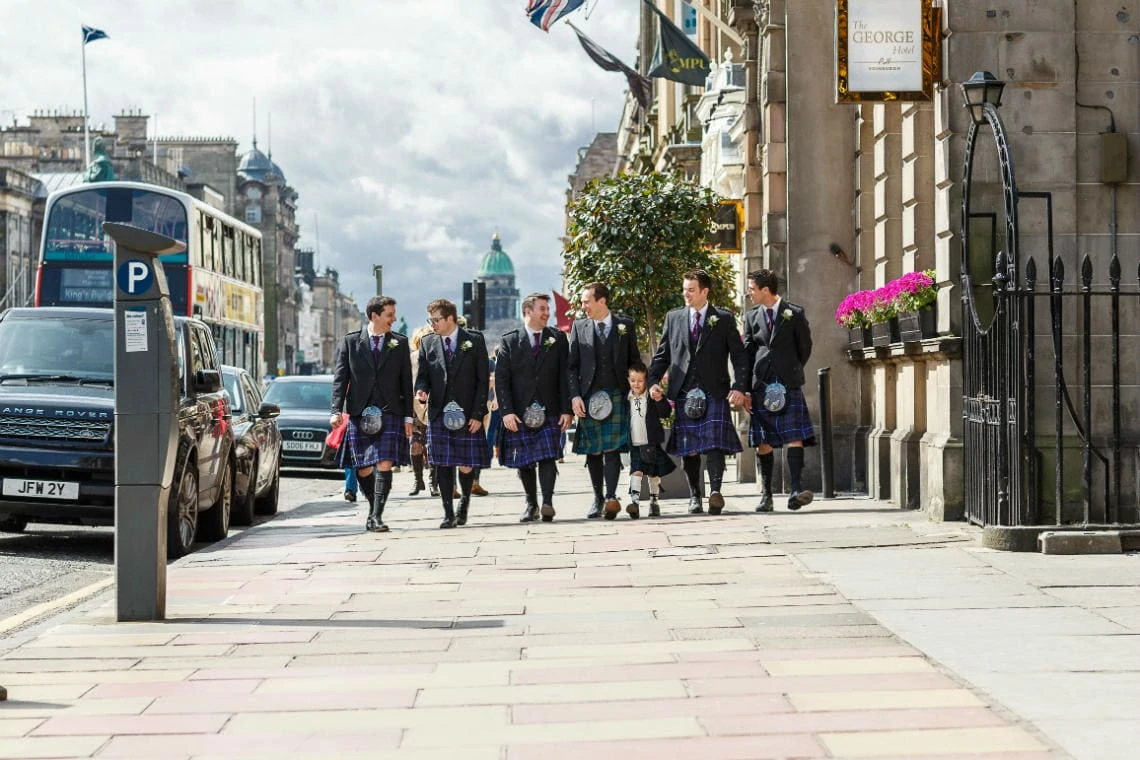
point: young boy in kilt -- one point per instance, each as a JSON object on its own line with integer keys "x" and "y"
{"x": 602, "y": 347}
{"x": 374, "y": 369}
{"x": 698, "y": 347}
{"x": 453, "y": 367}
{"x": 531, "y": 369}
{"x": 646, "y": 434}
{"x": 777, "y": 338}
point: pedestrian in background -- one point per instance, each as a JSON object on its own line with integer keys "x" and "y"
{"x": 418, "y": 446}
{"x": 777, "y": 338}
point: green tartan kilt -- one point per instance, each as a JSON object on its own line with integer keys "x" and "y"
{"x": 610, "y": 434}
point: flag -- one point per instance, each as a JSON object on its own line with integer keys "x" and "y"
{"x": 562, "y": 311}
{"x": 676, "y": 57}
{"x": 543, "y": 13}
{"x": 90, "y": 34}
{"x": 639, "y": 86}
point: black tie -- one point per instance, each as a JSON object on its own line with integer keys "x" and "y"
{"x": 602, "y": 330}
{"x": 536, "y": 344}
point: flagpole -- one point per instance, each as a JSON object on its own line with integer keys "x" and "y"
{"x": 86, "y": 135}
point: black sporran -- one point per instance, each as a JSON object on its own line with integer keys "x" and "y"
{"x": 696, "y": 404}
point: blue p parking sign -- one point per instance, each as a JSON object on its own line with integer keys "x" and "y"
{"x": 135, "y": 277}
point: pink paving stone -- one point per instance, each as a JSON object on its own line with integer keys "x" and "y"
{"x": 357, "y": 671}
{"x": 650, "y": 708}
{"x": 984, "y": 756}
{"x": 893, "y": 650}
{"x": 168, "y": 688}
{"x": 255, "y": 636}
{"x": 649, "y": 672}
{"x": 301, "y": 557}
{"x": 851, "y": 720}
{"x": 80, "y": 725}
{"x": 224, "y": 745}
{"x": 323, "y": 696}
{"x": 701, "y": 687}
{"x": 700, "y": 748}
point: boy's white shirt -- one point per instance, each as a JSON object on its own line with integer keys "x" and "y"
{"x": 638, "y": 435}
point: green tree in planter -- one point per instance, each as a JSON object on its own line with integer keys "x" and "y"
{"x": 639, "y": 233}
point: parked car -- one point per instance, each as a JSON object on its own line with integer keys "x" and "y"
{"x": 257, "y": 447}
{"x": 57, "y": 411}
{"x": 305, "y": 401}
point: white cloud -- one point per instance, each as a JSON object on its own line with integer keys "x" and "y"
{"x": 411, "y": 129}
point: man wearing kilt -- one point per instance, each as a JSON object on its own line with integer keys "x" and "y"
{"x": 374, "y": 372}
{"x": 698, "y": 345}
{"x": 777, "y": 338}
{"x": 602, "y": 347}
{"x": 453, "y": 368}
{"x": 531, "y": 369}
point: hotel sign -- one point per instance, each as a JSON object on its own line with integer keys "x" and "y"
{"x": 727, "y": 232}
{"x": 886, "y": 50}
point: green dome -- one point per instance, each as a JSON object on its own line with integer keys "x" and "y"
{"x": 496, "y": 262}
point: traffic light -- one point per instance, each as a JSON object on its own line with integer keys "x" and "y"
{"x": 479, "y": 305}
{"x": 468, "y": 306}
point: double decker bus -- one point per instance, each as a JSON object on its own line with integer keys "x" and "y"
{"x": 217, "y": 278}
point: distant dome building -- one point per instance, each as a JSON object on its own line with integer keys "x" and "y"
{"x": 498, "y": 272}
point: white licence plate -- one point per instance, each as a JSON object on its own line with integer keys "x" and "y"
{"x": 41, "y": 489}
{"x": 302, "y": 446}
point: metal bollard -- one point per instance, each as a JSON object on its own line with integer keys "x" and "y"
{"x": 827, "y": 444}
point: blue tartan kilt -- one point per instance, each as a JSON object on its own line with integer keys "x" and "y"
{"x": 526, "y": 447}
{"x": 458, "y": 448}
{"x": 712, "y": 432}
{"x": 358, "y": 449}
{"x": 610, "y": 434}
{"x": 657, "y": 466}
{"x": 793, "y": 423}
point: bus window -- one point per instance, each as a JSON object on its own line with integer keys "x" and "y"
{"x": 217, "y": 267}
{"x": 228, "y": 267}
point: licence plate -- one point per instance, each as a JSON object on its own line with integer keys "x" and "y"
{"x": 41, "y": 489}
{"x": 302, "y": 445}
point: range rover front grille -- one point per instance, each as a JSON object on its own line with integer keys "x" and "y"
{"x": 91, "y": 431}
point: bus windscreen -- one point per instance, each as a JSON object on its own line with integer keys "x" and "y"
{"x": 75, "y": 222}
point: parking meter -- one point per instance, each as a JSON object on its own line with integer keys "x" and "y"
{"x": 146, "y": 419}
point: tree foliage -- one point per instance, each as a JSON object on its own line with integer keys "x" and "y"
{"x": 639, "y": 234}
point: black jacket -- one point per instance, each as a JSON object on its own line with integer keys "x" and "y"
{"x": 719, "y": 346}
{"x": 464, "y": 380}
{"x": 520, "y": 378}
{"x": 359, "y": 380}
{"x": 654, "y": 413}
{"x": 581, "y": 361}
{"x": 782, "y": 354}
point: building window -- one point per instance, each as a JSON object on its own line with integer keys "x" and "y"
{"x": 253, "y": 214}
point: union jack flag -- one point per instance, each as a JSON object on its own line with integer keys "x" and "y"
{"x": 543, "y": 13}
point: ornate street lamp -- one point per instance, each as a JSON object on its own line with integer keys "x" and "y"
{"x": 983, "y": 87}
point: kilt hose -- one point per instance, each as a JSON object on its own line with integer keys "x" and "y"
{"x": 792, "y": 423}
{"x": 456, "y": 448}
{"x": 358, "y": 449}
{"x": 713, "y": 432}
{"x": 526, "y": 447}
{"x": 610, "y": 434}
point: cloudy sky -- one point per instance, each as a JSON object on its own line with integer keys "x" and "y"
{"x": 411, "y": 129}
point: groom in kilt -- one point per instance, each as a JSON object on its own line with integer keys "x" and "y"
{"x": 698, "y": 346}
{"x": 777, "y": 338}
{"x": 374, "y": 372}
{"x": 452, "y": 367}
{"x": 602, "y": 346}
{"x": 531, "y": 370}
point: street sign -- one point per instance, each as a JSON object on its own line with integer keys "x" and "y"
{"x": 134, "y": 277}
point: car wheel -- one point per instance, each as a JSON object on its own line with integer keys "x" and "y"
{"x": 182, "y": 513}
{"x": 216, "y": 521}
{"x": 244, "y": 503}
{"x": 267, "y": 504}
{"x": 12, "y": 524}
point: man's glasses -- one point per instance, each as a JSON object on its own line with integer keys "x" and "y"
{"x": 434, "y": 320}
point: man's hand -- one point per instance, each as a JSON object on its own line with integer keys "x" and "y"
{"x": 421, "y": 396}
{"x": 474, "y": 425}
{"x": 735, "y": 398}
{"x": 565, "y": 421}
{"x": 748, "y": 402}
{"x": 334, "y": 419}
{"x": 657, "y": 392}
{"x": 578, "y": 406}
{"x": 407, "y": 430}
{"x": 511, "y": 422}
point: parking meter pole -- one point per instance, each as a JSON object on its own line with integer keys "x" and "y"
{"x": 146, "y": 429}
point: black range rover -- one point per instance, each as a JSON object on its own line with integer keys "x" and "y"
{"x": 57, "y": 411}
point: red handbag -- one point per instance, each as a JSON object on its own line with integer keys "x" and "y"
{"x": 336, "y": 435}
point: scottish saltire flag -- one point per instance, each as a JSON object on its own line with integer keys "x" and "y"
{"x": 543, "y": 13}
{"x": 90, "y": 34}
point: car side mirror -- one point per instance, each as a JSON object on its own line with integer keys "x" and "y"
{"x": 268, "y": 411}
{"x": 207, "y": 381}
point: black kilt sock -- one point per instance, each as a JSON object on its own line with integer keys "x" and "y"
{"x": 795, "y": 466}
{"x": 595, "y": 465}
{"x": 612, "y": 473}
{"x": 529, "y": 483}
{"x": 766, "y": 462}
{"x": 714, "y": 463}
{"x": 547, "y": 474}
{"x": 693, "y": 474}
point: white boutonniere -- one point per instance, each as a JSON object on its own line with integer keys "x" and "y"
{"x": 621, "y": 329}
{"x": 786, "y": 313}
{"x": 393, "y": 343}
{"x": 466, "y": 345}
{"x": 549, "y": 341}
{"x": 713, "y": 320}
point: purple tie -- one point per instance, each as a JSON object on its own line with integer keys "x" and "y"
{"x": 769, "y": 318}
{"x": 375, "y": 346}
{"x": 536, "y": 345}
{"x": 696, "y": 326}
{"x": 447, "y": 346}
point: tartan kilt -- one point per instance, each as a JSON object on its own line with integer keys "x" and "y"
{"x": 610, "y": 434}
{"x": 526, "y": 447}
{"x": 793, "y": 423}
{"x": 459, "y": 448}
{"x": 712, "y": 432}
{"x": 661, "y": 465}
{"x": 358, "y": 449}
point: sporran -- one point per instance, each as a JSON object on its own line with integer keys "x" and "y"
{"x": 600, "y": 406}
{"x": 454, "y": 417}
{"x": 371, "y": 420}
{"x": 696, "y": 404}
{"x": 535, "y": 416}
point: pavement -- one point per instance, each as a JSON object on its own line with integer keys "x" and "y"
{"x": 848, "y": 630}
